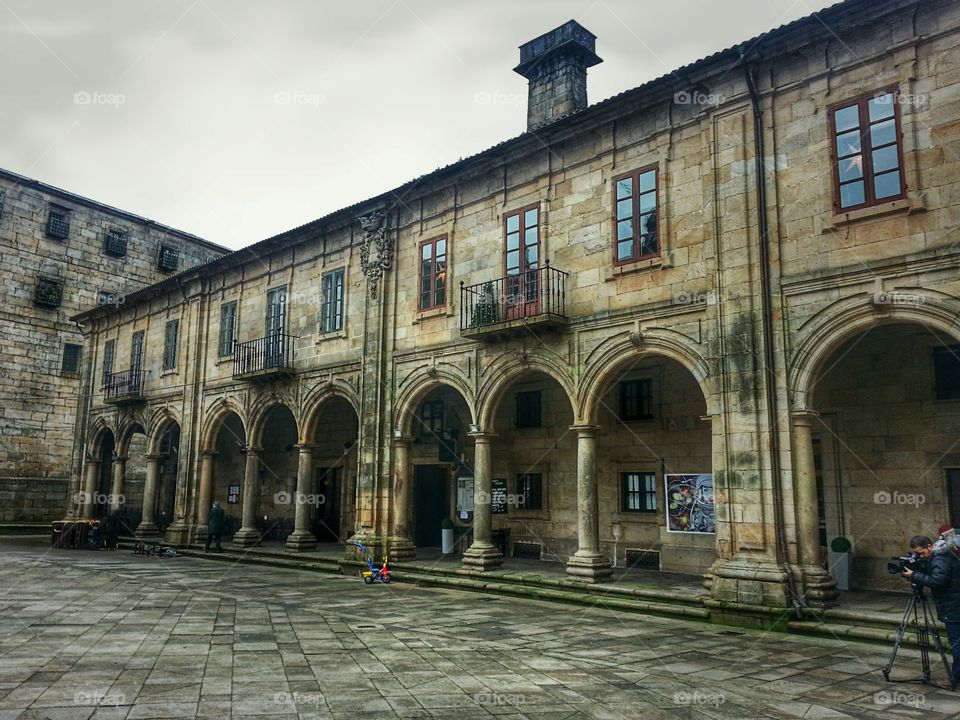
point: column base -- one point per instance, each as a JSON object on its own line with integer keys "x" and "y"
{"x": 177, "y": 534}
{"x": 482, "y": 556}
{"x": 752, "y": 583}
{"x": 246, "y": 537}
{"x": 819, "y": 587}
{"x": 374, "y": 545}
{"x": 589, "y": 567}
{"x": 147, "y": 531}
{"x": 401, "y": 548}
{"x": 300, "y": 540}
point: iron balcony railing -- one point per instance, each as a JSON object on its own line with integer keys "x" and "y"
{"x": 123, "y": 386}
{"x": 531, "y": 295}
{"x": 264, "y": 356}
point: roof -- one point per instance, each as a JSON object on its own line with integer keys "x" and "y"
{"x": 668, "y": 82}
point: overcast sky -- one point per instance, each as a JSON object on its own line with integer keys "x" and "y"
{"x": 238, "y": 120}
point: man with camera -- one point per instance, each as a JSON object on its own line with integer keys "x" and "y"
{"x": 939, "y": 571}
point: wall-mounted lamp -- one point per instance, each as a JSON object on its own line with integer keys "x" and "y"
{"x": 474, "y": 428}
{"x": 397, "y": 433}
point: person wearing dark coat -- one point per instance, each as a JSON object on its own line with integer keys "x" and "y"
{"x": 214, "y": 526}
{"x": 942, "y": 575}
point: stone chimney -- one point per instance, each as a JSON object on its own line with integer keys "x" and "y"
{"x": 556, "y": 65}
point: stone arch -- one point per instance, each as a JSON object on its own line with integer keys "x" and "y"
{"x": 835, "y": 325}
{"x": 612, "y": 354}
{"x": 319, "y": 397}
{"x": 258, "y": 419}
{"x": 506, "y": 369}
{"x": 128, "y": 427}
{"x": 419, "y": 384}
{"x": 96, "y": 434}
{"x": 214, "y": 419}
{"x": 159, "y": 423}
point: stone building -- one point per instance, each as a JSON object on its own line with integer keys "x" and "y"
{"x": 705, "y": 326}
{"x": 62, "y": 253}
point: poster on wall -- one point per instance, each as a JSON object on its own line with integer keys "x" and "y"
{"x": 233, "y": 494}
{"x": 498, "y": 496}
{"x": 465, "y": 495}
{"x": 689, "y": 503}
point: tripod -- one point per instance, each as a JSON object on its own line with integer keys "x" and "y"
{"x": 924, "y": 625}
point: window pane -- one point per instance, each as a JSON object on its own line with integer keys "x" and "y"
{"x": 648, "y": 224}
{"x": 426, "y": 252}
{"x": 886, "y": 185}
{"x": 624, "y": 188}
{"x": 648, "y": 245}
{"x": 648, "y": 201}
{"x": 530, "y": 217}
{"x": 885, "y": 159}
{"x": 425, "y": 280}
{"x": 513, "y": 223}
{"x": 624, "y": 229}
{"x": 531, "y": 257}
{"x": 513, "y": 241}
{"x": 530, "y": 237}
{"x": 883, "y": 133}
{"x": 625, "y": 250}
{"x": 851, "y": 194}
{"x": 441, "y": 248}
{"x": 848, "y": 143}
{"x": 624, "y": 209}
{"x": 648, "y": 180}
{"x": 847, "y": 118}
{"x": 851, "y": 168}
{"x": 513, "y": 262}
{"x": 881, "y": 107}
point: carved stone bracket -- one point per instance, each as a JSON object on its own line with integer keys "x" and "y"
{"x": 376, "y": 249}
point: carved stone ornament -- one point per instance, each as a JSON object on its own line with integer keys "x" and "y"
{"x": 376, "y": 249}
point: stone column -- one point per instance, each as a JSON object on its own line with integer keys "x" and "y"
{"x": 400, "y": 545}
{"x": 148, "y": 521}
{"x": 819, "y": 585}
{"x": 588, "y": 564}
{"x": 208, "y": 460}
{"x": 90, "y": 484}
{"x": 482, "y": 554}
{"x": 116, "y": 489}
{"x": 302, "y": 537}
{"x": 248, "y": 534}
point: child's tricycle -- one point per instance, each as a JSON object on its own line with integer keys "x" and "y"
{"x": 374, "y": 573}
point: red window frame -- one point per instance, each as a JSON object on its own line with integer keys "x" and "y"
{"x": 522, "y": 213}
{"x": 636, "y": 237}
{"x": 867, "y": 149}
{"x": 438, "y": 275}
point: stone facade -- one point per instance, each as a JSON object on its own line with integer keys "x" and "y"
{"x": 754, "y": 333}
{"x": 39, "y": 410}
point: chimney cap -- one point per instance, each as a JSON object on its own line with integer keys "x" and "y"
{"x": 569, "y": 39}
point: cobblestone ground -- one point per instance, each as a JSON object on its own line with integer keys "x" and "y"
{"x": 114, "y": 635}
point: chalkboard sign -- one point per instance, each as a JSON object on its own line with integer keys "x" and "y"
{"x": 498, "y": 496}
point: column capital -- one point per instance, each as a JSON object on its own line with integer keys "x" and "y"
{"x": 804, "y": 417}
{"x": 585, "y": 430}
{"x": 253, "y": 450}
{"x": 481, "y": 437}
{"x": 120, "y": 458}
{"x": 153, "y": 456}
{"x": 309, "y": 447}
{"x": 401, "y": 441}
{"x": 92, "y": 461}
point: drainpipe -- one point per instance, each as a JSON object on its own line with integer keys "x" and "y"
{"x": 766, "y": 311}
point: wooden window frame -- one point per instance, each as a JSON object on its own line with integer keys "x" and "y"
{"x": 328, "y": 305}
{"x": 433, "y": 273}
{"x": 522, "y": 212}
{"x": 434, "y": 423}
{"x": 643, "y": 494}
{"x": 171, "y": 342}
{"x": 866, "y": 150}
{"x": 621, "y": 391}
{"x": 109, "y": 359}
{"x": 519, "y": 486}
{"x": 221, "y": 344}
{"x": 75, "y": 370}
{"x": 635, "y": 176}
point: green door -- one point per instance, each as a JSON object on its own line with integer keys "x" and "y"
{"x": 430, "y": 503}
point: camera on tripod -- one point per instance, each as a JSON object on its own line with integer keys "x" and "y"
{"x": 904, "y": 562}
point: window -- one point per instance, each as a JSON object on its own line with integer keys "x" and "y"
{"x": 636, "y": 400}
{"x": 635, "y": 215}
{"x": 530, "y": 491}
{"x": 433, "y": 273}
{"x": 528, "y": 409}
{"x": 170, "y": 333}
{"x": 115, "y": 243}
{"x": 331, "y": 308}
{"x": 946, "y": 370}
{"x": 866, "y": 152}
{"x": 228, "y": 328}
{"x": 58, "y": 223}
{"x": 431, "y": 415}
{"x": 168, "y": 258}
{"x": 109, "y": 350}
{"x": 521, "y": 232}
{"x": 48, "y": 292}
{"x": 638, "y": 492}
{"x": 70, "y": 365}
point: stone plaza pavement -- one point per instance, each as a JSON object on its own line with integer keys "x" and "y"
{"x": 113, "y": 635}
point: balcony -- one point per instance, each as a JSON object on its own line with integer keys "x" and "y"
{"x": 124, "y": 388}
{"x": 266, "y": 358}
{"x": 511, "y": 305}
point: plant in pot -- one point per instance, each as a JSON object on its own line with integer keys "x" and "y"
{"x": 485, "y": 310}
{"x": 840, "y": 564}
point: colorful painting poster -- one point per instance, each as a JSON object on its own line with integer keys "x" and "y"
{"x": 690, "y": 504}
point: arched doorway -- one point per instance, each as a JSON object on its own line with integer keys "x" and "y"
{"x": 332, "y": 461}
{"x": 130, "y": 468}
{"x": 885, "y": 455}
{"x": 168, "y": 459}
{"x": 225, "y": 474}
{"x": 102, "y": 499}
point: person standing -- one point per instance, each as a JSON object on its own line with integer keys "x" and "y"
{"x": 214, "y": 526}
